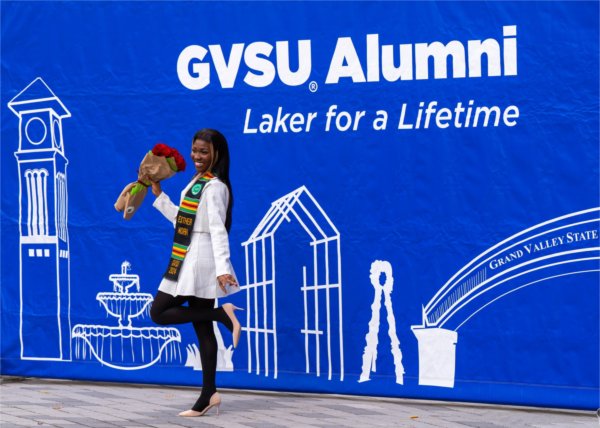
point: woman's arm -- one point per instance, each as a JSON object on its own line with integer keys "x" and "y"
{"x": 164, "y": 204}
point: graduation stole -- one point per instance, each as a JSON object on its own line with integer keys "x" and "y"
{"x": 185, "y": 224}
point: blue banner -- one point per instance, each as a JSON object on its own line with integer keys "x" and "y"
{"x": 416, "y": 193}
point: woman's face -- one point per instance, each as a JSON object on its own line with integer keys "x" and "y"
{"x": 202, "y": 155}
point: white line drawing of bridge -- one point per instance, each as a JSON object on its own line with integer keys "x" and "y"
{"x": 261, "y": 286}
{"x": 44, "y": 253}
{"x": 557, "y": 248}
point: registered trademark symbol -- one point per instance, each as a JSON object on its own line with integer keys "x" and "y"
{"x": 312, "y": 86}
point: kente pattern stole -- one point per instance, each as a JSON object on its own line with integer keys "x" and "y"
{"x": 185, "y": 224}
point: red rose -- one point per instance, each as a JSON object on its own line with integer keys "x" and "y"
{"x": 176, "y": 160}
{"x": 179, "y": 161}
{"x": 162, "y": 150}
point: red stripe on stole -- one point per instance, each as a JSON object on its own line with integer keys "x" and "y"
{"x": 179, "y": 252}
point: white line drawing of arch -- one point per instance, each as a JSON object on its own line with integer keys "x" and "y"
{"x": 44, "y": 263}
{"x": 370, "y": 353}
{"x": 557, "y": 248}
{"x": 301, "y": 206}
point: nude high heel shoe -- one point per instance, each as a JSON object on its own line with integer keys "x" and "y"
{"x": 237, "y": 328}
{"x": 215, "y": 401}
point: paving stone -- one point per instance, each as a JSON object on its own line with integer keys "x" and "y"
{"x": 8, "y": 420}
{"x": 57, "y": 422}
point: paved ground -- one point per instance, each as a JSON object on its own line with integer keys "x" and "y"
{"x": 61, "y": 403}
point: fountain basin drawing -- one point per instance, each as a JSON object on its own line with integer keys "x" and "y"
{"x": 125, "y": 347}
{"x": 125, "y": 306}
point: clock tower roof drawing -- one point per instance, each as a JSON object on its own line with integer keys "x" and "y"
{"x": 37, "y": 96}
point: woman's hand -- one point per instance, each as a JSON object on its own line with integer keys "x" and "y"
{"x": 226, "y": 279}
{"x": 156, "y": 190}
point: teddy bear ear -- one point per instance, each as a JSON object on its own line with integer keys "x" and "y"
{"x": 128, "y": 203}
{"x": 122, "y": 199}
{"x": 133, "y": 202}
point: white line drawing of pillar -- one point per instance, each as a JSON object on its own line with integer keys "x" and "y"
{"x": 561, "y": 247}
{"x": 44, "y": 259}
{"x": 370, "y": 353}
{"x": 301, "y": 206}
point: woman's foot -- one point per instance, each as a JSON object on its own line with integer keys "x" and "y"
{"x": 237, "y": 328}
{"x": 201, "y": 408}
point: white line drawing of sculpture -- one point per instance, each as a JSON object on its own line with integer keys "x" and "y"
{"x": 301, "y": 206}
{"x": 44, "y": 256}
{"x": 561, "y": 247}
{"x": 370, "y": 353}
{"x": 224, "y": 356}
{"x": 125, "y": 347}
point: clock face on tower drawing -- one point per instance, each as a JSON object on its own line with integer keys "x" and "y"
{"x": 35, "y": 130}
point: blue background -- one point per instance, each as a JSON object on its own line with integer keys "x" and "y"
{"x": 428, "y": 200}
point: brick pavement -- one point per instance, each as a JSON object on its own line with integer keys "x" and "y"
{"x": 62, "y": 403}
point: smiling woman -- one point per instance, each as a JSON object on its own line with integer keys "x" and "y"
{"x": 199, "y": 269}
{"x": 202, "y": 155}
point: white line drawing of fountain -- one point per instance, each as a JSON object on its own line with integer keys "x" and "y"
{"x": 561, "y": 247}
{"x": 261, "y": 320}
{"x": 370, "y": 353}
{"x": 125, "y": 347}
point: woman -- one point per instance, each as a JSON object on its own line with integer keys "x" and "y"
{"x": 200, "y": 270}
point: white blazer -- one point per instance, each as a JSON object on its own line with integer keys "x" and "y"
{"x": 208, "y": 254}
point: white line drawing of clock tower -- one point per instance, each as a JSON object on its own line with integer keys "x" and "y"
{"x": 44, "y": 267}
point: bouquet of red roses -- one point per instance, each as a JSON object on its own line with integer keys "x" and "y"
{"x": 159, "y": 163}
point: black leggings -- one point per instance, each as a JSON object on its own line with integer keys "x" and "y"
{"x": 167, "y": 309}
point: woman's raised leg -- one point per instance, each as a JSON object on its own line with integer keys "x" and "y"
{"x": 167, "y": 309}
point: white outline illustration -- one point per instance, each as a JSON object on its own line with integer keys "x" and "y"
{"x": 124, "y": 340}
{"x": 379, "y": 267}
{"x": 224, "y": 355}
{"x": 44, "y": 263}
{"x": 260, "y": 286}
{"x": 557, "y": 248}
